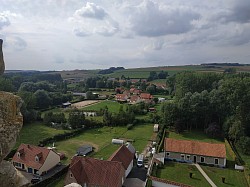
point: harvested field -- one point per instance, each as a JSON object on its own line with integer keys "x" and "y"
{"x": 84, "y": 103}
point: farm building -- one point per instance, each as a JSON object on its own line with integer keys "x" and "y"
{"x": 195, "y": 151}
{"x": 84, "y": 150}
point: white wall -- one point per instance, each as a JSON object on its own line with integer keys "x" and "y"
{"x": 51, "y": 161}
{"x": 161, "y": 184}
{"x": 129, "y": 168}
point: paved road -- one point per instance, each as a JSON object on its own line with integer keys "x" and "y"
{"x": 205, "y": 175}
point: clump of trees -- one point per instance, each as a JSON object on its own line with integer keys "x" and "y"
{"x": 219, "y": 104}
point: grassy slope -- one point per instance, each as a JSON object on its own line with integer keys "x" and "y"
{"x": 34, "y": 132}
{"x": 101, "y": 140}
{"x": 233, "y": 177}
{"x": 180, "y": 172}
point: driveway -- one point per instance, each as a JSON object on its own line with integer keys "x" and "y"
{"x": 136, "y": 177}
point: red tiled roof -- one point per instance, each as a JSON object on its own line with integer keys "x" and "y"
{"x": 146, "y": 96}
{"x": 97, "y": 172}
{"x": 168, "y": 182}
{"x": 121, "y": 96}
{"x": 28, "y": 154}
{"x": 195, "y": 147}
{"x": 134, "y": 98}
{"x": 122, "y": 155}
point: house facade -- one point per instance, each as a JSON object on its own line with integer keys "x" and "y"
{"x": 124, "y": 156}
{"x": 34, "y": 159}
{"x": 194, "y": 151}
{"x": 91, "y": 172}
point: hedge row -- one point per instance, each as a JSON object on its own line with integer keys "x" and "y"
{"x": 60, "y": 137}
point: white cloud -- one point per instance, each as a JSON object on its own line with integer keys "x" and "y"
{"x": 17, "y": 43}
{"x": 153, "y": 19}
{"x": 91, "y": 10}
{"x": 4, "y": 20}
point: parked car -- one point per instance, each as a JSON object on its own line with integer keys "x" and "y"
{"x": 140, "y": 160}
{"x": 35, "y": 180}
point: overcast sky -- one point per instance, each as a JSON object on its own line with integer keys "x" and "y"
{"x": 74, "y": 34}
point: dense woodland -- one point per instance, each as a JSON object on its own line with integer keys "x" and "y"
{"x": 218, "y": 104}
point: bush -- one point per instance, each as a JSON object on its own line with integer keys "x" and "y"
{"x": 130, "y": 126}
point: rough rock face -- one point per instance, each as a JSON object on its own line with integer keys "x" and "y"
{"x": 11, "y": 122}
{"x": 2, "y": 67}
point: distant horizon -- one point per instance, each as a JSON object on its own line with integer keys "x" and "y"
{"x": 212, "y": 63}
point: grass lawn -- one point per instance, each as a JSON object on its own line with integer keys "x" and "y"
{"x": 194, "y": 135}
{"x": 233, "y": 177}
{"x": 179, "y": 172}
{"x": 34, "y": 132}
{"x": 113, "y": 106}
{"x": 101, "y": 138}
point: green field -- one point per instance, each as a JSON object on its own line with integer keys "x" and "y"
{"x": 194, "y": 135}
{"x": 34, "y": 132}
{"x": 101, "y": 138}
{"x": 233, "y": 177}
{"x": 113, "y": 106}
{"x": 179, "y": 172}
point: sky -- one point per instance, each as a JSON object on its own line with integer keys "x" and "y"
{"x": 79, "y": 34}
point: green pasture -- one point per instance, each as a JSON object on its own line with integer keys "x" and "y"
{"x": 179, "y": 172}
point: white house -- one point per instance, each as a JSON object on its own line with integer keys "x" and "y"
{"x": 34, "y": 159}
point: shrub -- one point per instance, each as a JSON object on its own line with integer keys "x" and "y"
{"x": 130, "y": 126}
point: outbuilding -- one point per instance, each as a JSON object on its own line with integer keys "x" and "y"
{"x": 156, "y": 127}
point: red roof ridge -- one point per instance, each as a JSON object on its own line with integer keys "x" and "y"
{"x": 195, "y": 147}
{"x": 123, "y": 155}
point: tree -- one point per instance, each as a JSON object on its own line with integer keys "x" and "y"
{"x": 163, "y": 75}
{"x": 76, "y": 119}
{"x": 42, "y": 99}
{"x": 6, "y": 85}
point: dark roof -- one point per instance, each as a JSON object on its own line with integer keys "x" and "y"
{"x": 28, "y": 154}
{"x": 97, "y": 172}
{"x": 122, "y": 155}
{"x": 195, "y": 147}
{"x": 84, "y": 150}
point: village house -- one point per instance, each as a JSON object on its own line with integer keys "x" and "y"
{"x": 195, "y": 151}
{"x": 146, "y": 97}
{"x": 121, "y": 97}
{"x": 34, "y": 159}
{"x": 90, "y": 172}
{"x": 124, "y": 156}
{"x": 134, "y": 99}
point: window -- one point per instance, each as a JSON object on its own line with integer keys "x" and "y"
{"x": 18, "y": 154}
{"x": 71, "y": 175}
{"x": 187, "y": 157}
{"x": 37, "y": 159}
{"x": 216, "y": 161}
{"x": 168, "y": 154}
{"x": 202, "y": 159}
{"x": 182, "y": 156}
